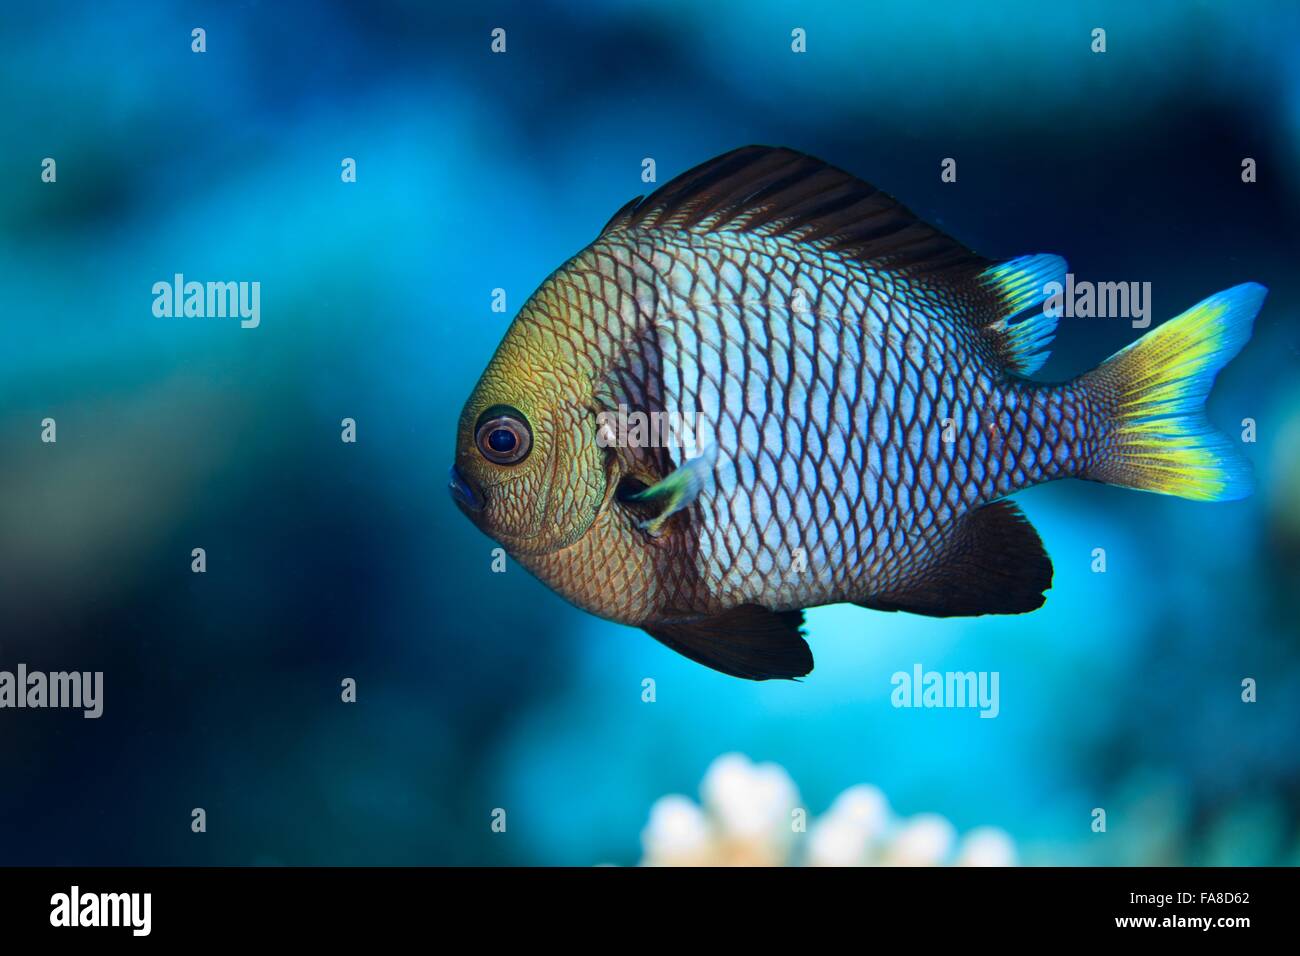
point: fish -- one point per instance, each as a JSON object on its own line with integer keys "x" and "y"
{"x": 864, "y": 394}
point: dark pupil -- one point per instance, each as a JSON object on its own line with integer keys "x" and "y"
{"x": 502, "y": 440}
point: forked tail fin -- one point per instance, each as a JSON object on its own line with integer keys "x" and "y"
{"x": 1150, "y": 396}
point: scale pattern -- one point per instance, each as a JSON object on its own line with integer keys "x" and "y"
{"x": 854, "y": 419}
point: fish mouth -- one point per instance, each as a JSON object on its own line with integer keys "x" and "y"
{"x": 462, "y": 492}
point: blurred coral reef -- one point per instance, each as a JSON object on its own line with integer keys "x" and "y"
{"x": 751, "y": 815}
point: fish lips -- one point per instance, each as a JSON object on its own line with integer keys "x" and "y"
{"x": 463, "y": 493}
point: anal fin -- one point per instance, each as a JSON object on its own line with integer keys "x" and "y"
{"x": 990, "y": 561}
{"x": 747, "y": 641}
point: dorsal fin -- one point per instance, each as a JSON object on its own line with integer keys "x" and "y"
{"x": 781, "y": 193}
{"x": 617, "y": 220}
{"x": 1020, "y": 285}
{"x": 773, "y": 191}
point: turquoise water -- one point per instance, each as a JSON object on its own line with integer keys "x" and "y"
{"x": 478, "y": 172}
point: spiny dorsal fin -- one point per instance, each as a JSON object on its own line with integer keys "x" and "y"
{"x": 781, "y": 193}
{"x": 990, "y": 561}
{"x": 773, "y": 191}
{"x": 617, "y": 221}
{"x": 747, "y": 641}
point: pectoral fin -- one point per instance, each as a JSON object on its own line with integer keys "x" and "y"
{"x": 679, "y": 489}
{"x": 747, "y": 641}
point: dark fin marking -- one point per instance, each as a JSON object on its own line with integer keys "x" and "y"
{"x": 747, "y": 641}
{"x": 990, "y": 562}
{"x": 778, "y": 192}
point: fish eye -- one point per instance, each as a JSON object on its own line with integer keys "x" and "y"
{"x": 503, "y": 435}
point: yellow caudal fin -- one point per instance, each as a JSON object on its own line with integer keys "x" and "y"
{"x": 1153, "y": 434}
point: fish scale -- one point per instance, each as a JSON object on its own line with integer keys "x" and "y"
{"x": 864, "y": 385}
{"x": 802, "y": 481}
